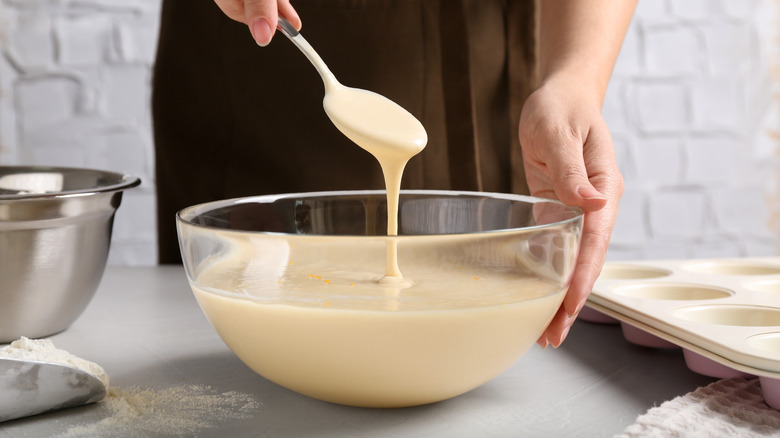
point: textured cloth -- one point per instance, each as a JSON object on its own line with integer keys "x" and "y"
{"x": 726, "y": 408}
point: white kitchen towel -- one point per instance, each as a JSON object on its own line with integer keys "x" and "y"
{"x": 726, "y": 408}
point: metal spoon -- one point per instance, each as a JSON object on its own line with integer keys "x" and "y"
{"x": 30, "y": 387}
{"x": 378, "y": 125}
{"x": 290, "y": 32}
{"x": 364, "y": 131}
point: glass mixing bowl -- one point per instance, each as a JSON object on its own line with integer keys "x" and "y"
{"x": 295, "y": 285}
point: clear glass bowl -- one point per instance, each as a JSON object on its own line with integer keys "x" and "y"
{"x": 294, "y": 284}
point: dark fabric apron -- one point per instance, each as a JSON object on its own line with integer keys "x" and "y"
{"x": 233, "y": 119}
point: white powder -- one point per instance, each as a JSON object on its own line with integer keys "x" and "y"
{"x": 43, "y": 350}
{"x": 139, "y": 412}
{"x": 181, "y": 410}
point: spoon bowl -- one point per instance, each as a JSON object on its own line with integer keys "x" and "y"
{"x": 369, "y": 119}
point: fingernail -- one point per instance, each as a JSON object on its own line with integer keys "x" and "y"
{"x": 570, "y": 320}
{"x": 588, "y": 192}
{"x": 563, "y": 336}
{"x": 261, "y": 31}
{"x": 573, "y": 314}
{"x": 543, "y": 342}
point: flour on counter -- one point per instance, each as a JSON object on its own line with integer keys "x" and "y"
{"x": 176, "y": 411}
{"x": 139, "y": 412}
{"x": 43, "y": 350}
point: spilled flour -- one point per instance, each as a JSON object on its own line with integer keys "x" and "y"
{"x": 181, "y": 410}
{"x": 140, "y": 412}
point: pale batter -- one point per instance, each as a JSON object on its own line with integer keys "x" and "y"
{"x": 389, "y": 133}
{"x": 380, "y": 126}
{"x": 320, "y": 324}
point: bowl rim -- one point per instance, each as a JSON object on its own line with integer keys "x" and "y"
{"x": 125, "y": 181}
{"x": 197, "y": 209}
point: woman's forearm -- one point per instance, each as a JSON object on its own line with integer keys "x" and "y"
{"x": 579, "y": 41}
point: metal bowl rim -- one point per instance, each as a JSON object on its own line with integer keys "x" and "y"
{"x": 126, "y": 181}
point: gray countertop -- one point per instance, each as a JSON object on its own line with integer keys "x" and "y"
{"x": 145, "y": 328}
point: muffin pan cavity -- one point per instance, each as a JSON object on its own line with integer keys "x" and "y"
{"x": 737, "y": 315}
{"x": 638, "y": 336}
{"x": 616, "y": 271}
{"x": 732, "y": 267}
{"x": 723, "y": 313}
{"x": 632, "y": 272}
{"x": 593, "y": 315}
{"x": 768, "y": 287}
{"x": 766, "y": 342}
{"x": 703, "y": 365}
{"x": 672, "y": 291}
{"x": 771, "y": 388}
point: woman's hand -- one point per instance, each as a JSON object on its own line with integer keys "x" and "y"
{"x": 568, "y": 155}
{"x": 567, "y": 148}
{"x": 260, "y": 15}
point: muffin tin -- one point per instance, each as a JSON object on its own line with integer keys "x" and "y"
{"x": 723, "y": 313}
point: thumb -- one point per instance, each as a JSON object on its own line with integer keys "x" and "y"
{"x": 261, "y": 16}
{"x": 570, "y": 179}
{"x": 591, "y": 198}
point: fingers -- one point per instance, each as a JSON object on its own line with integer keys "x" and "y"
{"x": 232, "y": 8}
{"x": 602, "y": 167}
{"x": 579, "y": 170}
{"x": 576, "y": 161}
{"x": 260, "y": 15}
{"x": 287, "y": 11}
{"x": 593, "y": 250}
{"x": 557, "y": 329}
{"x": 597, "y": 228}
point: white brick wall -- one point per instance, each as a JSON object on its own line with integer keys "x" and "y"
{"x": 74, "y": 91}
{"x": 694, "y": 102}
{"x": 692, "y": 106}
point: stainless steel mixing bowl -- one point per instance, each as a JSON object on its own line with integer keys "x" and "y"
{"x": 55, "y": 231}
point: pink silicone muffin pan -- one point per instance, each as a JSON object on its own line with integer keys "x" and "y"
{"x": 723, "y": 313}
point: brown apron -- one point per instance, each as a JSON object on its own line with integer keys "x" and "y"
{"x": 233, "y": 119}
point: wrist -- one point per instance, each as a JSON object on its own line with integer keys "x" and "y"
{"x": 573, "y": 87}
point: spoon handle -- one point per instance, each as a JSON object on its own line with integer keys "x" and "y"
{"x": 293, "y": 35}
{"x": 287, "y": 28}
